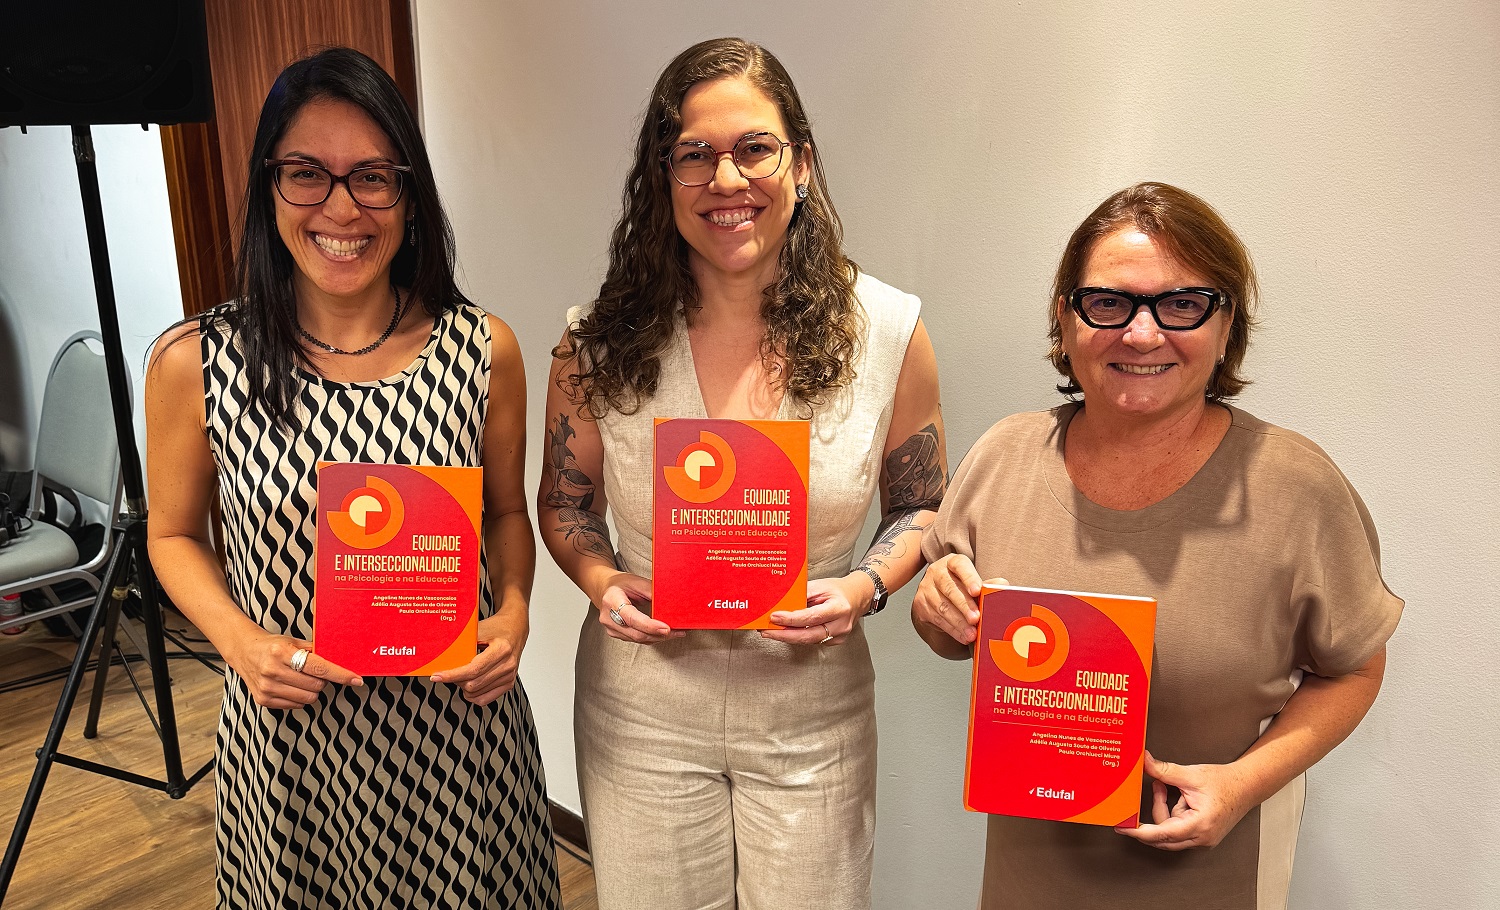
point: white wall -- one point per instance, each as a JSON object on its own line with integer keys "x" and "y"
{"x": 46, "y": 282}
{"x": 1353, "y": 145}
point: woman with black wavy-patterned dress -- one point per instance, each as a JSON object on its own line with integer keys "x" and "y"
{"x": 348, "y": 341}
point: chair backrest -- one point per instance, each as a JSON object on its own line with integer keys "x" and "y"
{"x": 75, "y": 443}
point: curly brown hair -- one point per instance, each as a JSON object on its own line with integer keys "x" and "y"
{"x": 1195, "y": 235}
{"x": 813, "y": 321}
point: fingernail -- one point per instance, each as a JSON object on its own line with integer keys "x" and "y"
{"x": 436, "y": 678}
{"x": 356, "y": 681}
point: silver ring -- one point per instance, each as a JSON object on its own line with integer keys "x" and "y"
{"x": 299, "y": 659}
{"x": 827, "y": 635}
{"x": 614, "y": 613}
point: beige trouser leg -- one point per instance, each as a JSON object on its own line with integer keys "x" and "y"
{"x": 802, "y": 759}
{"x": 725, "y": 771}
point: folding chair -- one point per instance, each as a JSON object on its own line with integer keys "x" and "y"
{"x": 76, "y": 449}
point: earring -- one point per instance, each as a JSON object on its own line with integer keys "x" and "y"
{"x": 411, "y": 231}
{"x": 1066, "y": 359}
{"x": 801, "y": 191}
{"x": 1220, "y": 361}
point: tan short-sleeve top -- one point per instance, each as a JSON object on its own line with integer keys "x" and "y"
{"x": 1265, "y": 564}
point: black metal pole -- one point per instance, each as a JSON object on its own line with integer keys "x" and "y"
{"x": 156, "y": 656}
{"x": 109, "y": 321}
{"x": 107, "y": 649}
{"x": 130, "y": 459}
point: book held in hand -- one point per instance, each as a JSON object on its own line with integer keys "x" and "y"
{"x": 396, "y": 591}
{"x": 729, "y": 526}
{"x": 1057, "y": 723}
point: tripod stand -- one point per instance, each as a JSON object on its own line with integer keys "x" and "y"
{"x": 129, "y": 566}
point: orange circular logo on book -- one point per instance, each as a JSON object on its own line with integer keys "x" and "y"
{"x": 370, "y": 516}
{"x": 1033, "y": 647}
{"x": 704, "y": 470}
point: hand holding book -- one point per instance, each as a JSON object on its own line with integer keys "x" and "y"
{"x": 830, "y": 615}
{"x": 264, "y": 662}
{"x": 1211, "y": 802}
{"x": 945, "y": 609}
{"x": 621, "y": 615}
{"x": 492, "y": 672}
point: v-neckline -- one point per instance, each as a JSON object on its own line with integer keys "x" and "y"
{"x": 685, "y": 345}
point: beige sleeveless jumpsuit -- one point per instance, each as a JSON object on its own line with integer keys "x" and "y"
{"x": 723, "y": 770}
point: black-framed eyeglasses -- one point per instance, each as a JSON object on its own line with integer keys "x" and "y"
{"x": 304, "y": 183}
{"x": 1177, "y": 310}
{"x": 755, "y": 155}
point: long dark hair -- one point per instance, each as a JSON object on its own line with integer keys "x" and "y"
{"x": 812, "y": 319}
{"x": 1192, "y": 233}
{"x": 262, "y": 316}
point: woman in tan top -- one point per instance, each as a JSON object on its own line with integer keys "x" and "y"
{"x": 1273, "y": 617}
{"x": 725, "y": 769}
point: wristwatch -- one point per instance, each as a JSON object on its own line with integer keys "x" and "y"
{"x": 881, "y": 594}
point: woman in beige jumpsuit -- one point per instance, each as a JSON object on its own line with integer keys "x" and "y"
{"x": 724, "y": 769}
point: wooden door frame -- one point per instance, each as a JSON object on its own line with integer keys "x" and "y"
{"x": 200, "y": 215}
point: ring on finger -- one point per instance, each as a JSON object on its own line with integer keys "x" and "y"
{"x": 299, "y": 659}
{"x": 827, "y": 635}
{"x": 614, "y": 613}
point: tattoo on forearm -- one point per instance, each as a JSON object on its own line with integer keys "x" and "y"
{"x": 914, "y": 472}
{"x": 571, "y": 492}
{"x": 915, "y": 482}
{"x": 567, "y": 486}
{"x": 886, "y": 544}
{"x": 588, "y": 532}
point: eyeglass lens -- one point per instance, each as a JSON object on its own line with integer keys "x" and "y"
{"x": 756, "y": 155}
{"x": 1107, "y": 309}
{"x": 308, "y": 184}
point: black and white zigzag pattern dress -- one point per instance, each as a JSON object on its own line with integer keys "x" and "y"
{"x": 400, "y": 794}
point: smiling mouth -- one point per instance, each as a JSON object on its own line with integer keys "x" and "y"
{"x": 731, "y": 217}
{"x": 340, "y": 249}
{"x": 1137, "y": 369}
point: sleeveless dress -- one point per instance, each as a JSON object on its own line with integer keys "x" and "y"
{"x": 401, "y": 793}
{"x": 722, "y": 769}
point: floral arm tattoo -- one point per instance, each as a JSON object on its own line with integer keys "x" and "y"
{"x": 916, "y": 483}
{"x": 571, "y": 492}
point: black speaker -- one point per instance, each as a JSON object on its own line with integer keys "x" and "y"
{"x": 72, "y": 62}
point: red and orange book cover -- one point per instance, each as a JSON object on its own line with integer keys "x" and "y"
{"x": 729, "y": 528}
{"x": 396, "y": 591}
{"x": 1057, "y": 723}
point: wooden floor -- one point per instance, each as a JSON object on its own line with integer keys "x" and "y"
{"x": 97, "y": 842}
